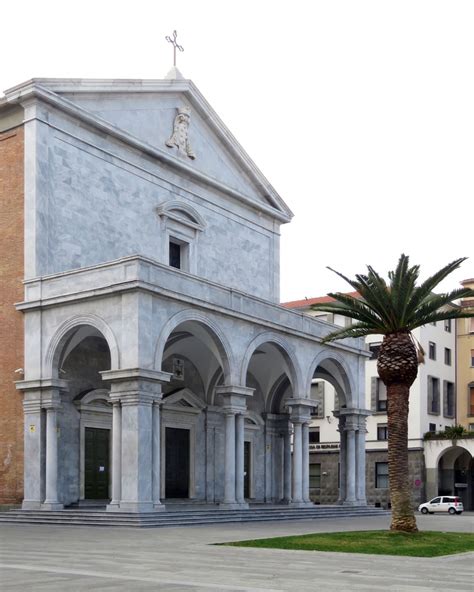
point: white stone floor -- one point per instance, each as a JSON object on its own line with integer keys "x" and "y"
{"x": 52, "y": 559}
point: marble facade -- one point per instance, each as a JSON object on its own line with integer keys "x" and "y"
{"x": 118, "y": 339}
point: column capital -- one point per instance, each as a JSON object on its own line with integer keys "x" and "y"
{"x": 300, "y": 409}
{"x": 41, "y": 385}
{"x": 234, "y": 397}
{"x": 134, "y": 386}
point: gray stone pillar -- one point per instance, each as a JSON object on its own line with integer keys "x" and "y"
{"x": 137, "y": 389}
{"x": 287, "y": 466}
{"x": 305, "y": 437}
{"x": 229, "y": 462}
{"x": 52, "y": 501}
{"x": 234, "y": 404}
{"x": 297, "y": 472}
{"x": 350, "y": 465}
{"x": 239, "y": 458}
{"x": 34, "y": 453}
{"x": 342, "y": 461}
{"x": 360, "y": 464}
{"x": 156, "y": 456}
{"x": 39, "y": 394}
{"x": 300, "y": 414}
{"x": 116, "y": 456}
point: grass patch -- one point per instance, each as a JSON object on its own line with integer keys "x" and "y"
{"x": 373, "y": 542}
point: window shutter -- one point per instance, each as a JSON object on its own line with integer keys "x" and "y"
{"x": 373, "y": 393}
{"x": 430, "y": 395}
{"x": 445, "y": 399}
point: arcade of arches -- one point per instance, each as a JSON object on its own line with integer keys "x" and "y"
{"x": 198, "y": 426}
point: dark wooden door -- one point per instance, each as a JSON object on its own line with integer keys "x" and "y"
{"x": 247, "y": 469}
{"x": 177, "y": 463}
{"x": 96, "y": 463}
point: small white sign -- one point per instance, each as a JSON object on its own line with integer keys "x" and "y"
{"x": 101, "y": 469}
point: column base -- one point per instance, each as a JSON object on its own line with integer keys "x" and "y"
{"x": 159, "y": 507}
{"x": 234, "y": 505}
{"x": 135, "y": 507}
{"x": 31, "y": 505}
{"x": 301, "y": 504}
{"x": 351, "y": 503}
{"x": 113, "y": 507}
{"x": 52, "y": 506}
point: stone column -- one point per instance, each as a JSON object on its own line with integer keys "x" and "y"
{"x": 239, "y": 458}
{"x": 52, "y": 500}
{"x": 34, "y": 453}
{"x": 38, "y": 394}
{"x": 297, "y": 472}
{"x": 116, "y": 456}
{"x": 156, "y": 456}
{"x": 234, "y": 404}
{"x": 350, "y": 465}
{"x": 360, "y": 453}
{"x": 342, "y": 460}
{"x": 137, "y": 389}
{"x": 287, "y": 466}
{"x": 229, "y": 463}
{"x": 305, "y": 436}
{"x": 300, "y": 414}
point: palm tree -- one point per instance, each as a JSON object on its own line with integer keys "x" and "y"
{"x": 393, "y": 310}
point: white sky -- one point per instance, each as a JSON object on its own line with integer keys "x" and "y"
{"x": 359, "y": 112}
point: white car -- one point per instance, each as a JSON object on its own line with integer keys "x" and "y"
{"x": 445, "y": 503}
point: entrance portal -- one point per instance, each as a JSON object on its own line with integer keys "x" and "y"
{"x": 177, "y": 463}
{"x": 247, "y": 468}
{"x": 96, "y": 463}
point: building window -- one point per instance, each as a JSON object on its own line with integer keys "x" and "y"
{"x": 175, "y": 255}
{"x": 447, "y": 356}
{"x": 382, "y": 431}
{"x": 447, "y": 325}
{"x": 472, "y": 357}
{"x": 471, "y": 325}
{"x": 314, "y": 436}
{"x": 381, "y": 475}
{"x": 471, "y": 427}
{"x": 471, "y": 400}
{"x": 374, "y": 349}
{"x": 432, "y": 350}
{"x": 315, "y": 476}
{"x": 317, "y": 395}
{"x": 449, "y": 401}
{"x": 381, "y": 396}
{"x": 432, "y": 428}
{"x": 433, "y": 395}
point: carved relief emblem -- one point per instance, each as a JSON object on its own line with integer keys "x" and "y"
{"x": 179, "y": 138}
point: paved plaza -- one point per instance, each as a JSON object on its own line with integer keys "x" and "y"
{"x": 53, "y": 559}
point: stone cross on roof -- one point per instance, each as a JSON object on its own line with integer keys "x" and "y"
{"x": 175, "y": 44}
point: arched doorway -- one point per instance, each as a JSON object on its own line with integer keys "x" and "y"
{"x": 456, "y": 475}
{"x": 191, "y": 433}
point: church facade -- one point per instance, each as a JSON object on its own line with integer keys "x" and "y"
{"x": 157, "y": 363}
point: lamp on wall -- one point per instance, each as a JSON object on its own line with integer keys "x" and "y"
{"x": 328, "y": 417}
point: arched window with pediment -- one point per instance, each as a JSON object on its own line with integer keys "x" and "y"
{"x": 181, "y": 226}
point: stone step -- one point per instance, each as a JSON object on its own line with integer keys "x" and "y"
{"x": 101, "y": 518}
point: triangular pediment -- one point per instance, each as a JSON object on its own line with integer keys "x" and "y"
{"x": 146, "y": 111}
{"x": 184, "y": 399}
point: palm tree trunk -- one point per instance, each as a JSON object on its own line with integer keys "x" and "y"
{"x": 403, "y": 516}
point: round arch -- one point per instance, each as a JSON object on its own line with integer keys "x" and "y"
{"x": 60, "y": 338}
{"x": 338, "y": 374}
{"x": 212, "y": 329}
{"x": 294, "y": 371}
{"x": 453, "y": 452}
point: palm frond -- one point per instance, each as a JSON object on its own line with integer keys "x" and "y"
{"x": 398, "y": 306}
{"x": 428, "y": 286}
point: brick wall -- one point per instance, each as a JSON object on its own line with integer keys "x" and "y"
{"x": 11, "y": 321}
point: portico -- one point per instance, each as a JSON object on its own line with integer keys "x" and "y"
{"x": 159, "y": 366}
